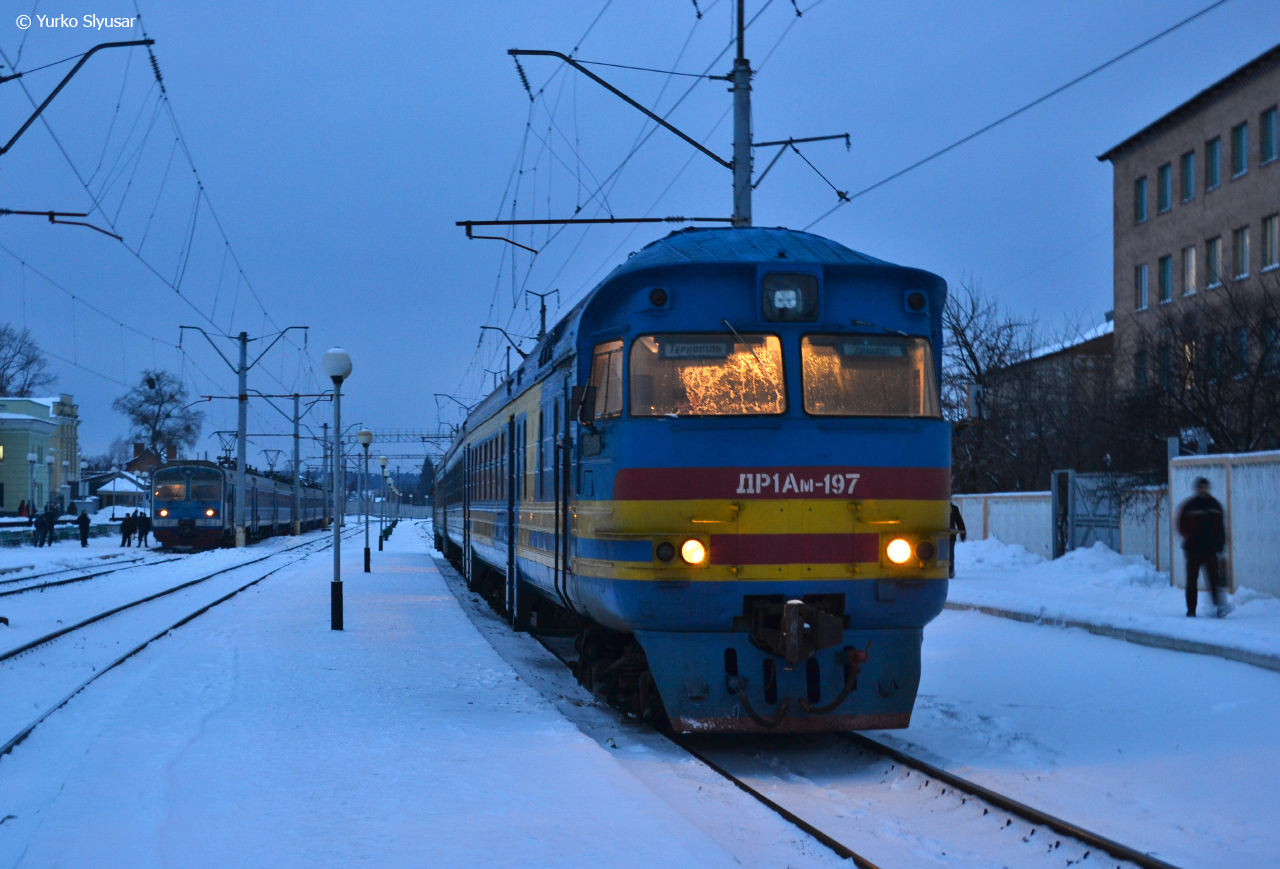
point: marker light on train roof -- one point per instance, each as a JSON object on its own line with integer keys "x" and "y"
{"x": 898, "y": 550}
{"x": 693, "y": 552}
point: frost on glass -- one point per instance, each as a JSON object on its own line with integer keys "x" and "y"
{"x": 170, "y": 486}
{"x": 868, "y": 375}
{"x": 707, "y": 375}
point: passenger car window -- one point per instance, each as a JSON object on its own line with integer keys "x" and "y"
{"x": 868, "y": 375}
{"x": 712, "y": 374}
{"x": 606, "y": 377}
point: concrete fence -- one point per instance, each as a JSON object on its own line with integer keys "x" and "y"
{"x": 1247, "y": 484}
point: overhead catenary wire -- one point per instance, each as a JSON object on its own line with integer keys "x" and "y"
{"x": 1020, "y": 110}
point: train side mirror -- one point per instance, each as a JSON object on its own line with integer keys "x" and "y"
{"x": 584, "y": 404}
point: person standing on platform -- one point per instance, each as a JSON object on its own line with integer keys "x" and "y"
{"x": 83, "y": 523}
{"x": 127, "y": 526}
{"x": 1203, "y": 538}
{"x": 38, "y": 529}
{"x": 144, "y": 528}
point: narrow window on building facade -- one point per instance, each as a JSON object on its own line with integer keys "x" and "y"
{"x": 1213, "y": 262}
{"x": 1188, "y": 176}
{"x": 1270, "y": 346}
{"x": 1140, "y": 369}
{"x": 1164, "y": 187}
{"x": 1212, "y": 163}
{"x": 1140, "y": 287}
{"x": 1164, "y": 277}
{"x": 1270, "y": 124}
{"x": 1189, "y": 271}
{"x": 1166, "y": 368}
{"x": 1240, "y": 253}
{"x": 1270, "y": 242}
{"x": 1140, "y": 200}
{"x": 1239, "y": 150}
{"x": 1243, "y": 358}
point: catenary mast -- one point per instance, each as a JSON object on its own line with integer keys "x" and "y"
{"x": 741, "y": 128}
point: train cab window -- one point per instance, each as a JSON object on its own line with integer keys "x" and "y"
{"x": 714, "y": 374}
{"x": 606, "y": 377}
{"x": 868, "y": 375}
{"x": 206, "y": 485}
{"x": 170, "y": 485}
{"x": 790, "y": 298}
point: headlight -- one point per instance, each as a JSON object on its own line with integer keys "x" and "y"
{"x": 693, "y": 552}
{"x": 925, "y": 550}
{"x": 164, "y": 512}
{"x": 898, "y": 550}
{"x": 208, "y": 512}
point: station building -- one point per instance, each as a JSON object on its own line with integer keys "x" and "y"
{"x": 1196, "y": 201}
{"x": 48, "y": 428}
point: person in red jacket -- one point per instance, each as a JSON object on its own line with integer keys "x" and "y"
{"x": 1203, "y": 537}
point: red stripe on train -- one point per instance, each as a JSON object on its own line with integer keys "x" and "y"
{"x": 794, "y": 548}
{"x": 838, "y": 481}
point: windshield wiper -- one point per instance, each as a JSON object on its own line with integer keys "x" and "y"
{"x": 877, "y": 326}
{"x": 742, "y": 341}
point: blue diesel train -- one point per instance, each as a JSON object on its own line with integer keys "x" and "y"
{"x": 193, "y": 505}
{"x": 728, "y": 470}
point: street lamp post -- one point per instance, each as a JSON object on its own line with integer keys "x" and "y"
{"x": 31, "y": 485}
{"x": 382, "y": 507}
{"x": 81, "y": 489}
{"x": 48, "y": 480}
{"x": 365, "y": 437}
{"x": 337, "y": 364}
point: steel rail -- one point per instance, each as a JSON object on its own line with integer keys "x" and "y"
{"x": 47, "y": 638}
{"x": 66, "y": 570}
{"x": 1008, "y": 804}
{"x": 841, "y": 850}
{"x": 53, "y": 583}
{"x": 26, "y": 731}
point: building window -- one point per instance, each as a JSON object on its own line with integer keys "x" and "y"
{"x": 1212, "y": 163}
{"x": 1213, "y": 262}
{"x": 1270, "y": 124}
{"x": 1140, "y": 287}
{"x": 1270, "y": 246}
{"x": 1240, "y": 253}
{"x": 1270, "y": 347}
{"x": 1189, "y": 271}
{"x": 1239, "y": 150}
{"x": 1140, "y": 369}
{"x": 1164, "y": 277}
{"x": 1140, "y": 200}
{"x": 1243, "y": 356}
{"x": 1166, "y": 368}
{"x": 1188, "y": 176}
{"x": 1164, "y": 187}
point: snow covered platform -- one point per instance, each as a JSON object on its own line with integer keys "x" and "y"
{"x": 256, "y": 736}
{"x": 1113, "y": 595}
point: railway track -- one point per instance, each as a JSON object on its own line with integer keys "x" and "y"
{"x": 1090, "y": 845}
{"x": 169, "y": 624}
{"x": 115, "y": 565}
{"x": 5, "y": 591}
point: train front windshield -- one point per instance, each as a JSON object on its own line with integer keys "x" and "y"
{"x": 170, "y": 486}
{"x": 869, "y": 375}
{"x": 714, "y": 374}
{"x": 206, "y": 485}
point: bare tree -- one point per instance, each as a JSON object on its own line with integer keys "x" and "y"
{"x": 23, "y": 368}
{"x": 978, "y": 340}
{"x": 158, "y": 414}
{"x": 1210, "y": 363}
{"x": 118, "y": 454}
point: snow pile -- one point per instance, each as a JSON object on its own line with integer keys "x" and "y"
{"x": 1099, "y": 587}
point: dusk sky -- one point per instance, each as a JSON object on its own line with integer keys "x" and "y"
{"x": 339, "y": 143}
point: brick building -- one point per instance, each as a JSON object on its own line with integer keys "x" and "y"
{"x": 1196, "y": 201}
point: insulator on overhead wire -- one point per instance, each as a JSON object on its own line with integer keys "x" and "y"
{"x": 155, "y": 67}
{"x": 524, "y": 80}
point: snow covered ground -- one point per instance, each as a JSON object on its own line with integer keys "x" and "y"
{"x": 1099, "y": 587}
{"x": 255, "y": 736}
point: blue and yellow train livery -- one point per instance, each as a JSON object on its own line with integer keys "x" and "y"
{"x": 728, "y": 469}
{"x": 193, "y": 505}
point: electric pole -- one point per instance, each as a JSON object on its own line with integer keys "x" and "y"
{"x": 741, "y": 128}
{"x": 297, "y": 484}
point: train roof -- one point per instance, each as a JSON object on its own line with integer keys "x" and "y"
{"x": 752, "y": 245}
